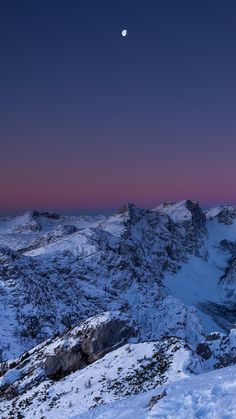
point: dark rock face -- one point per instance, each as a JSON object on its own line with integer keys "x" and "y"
{"x": 228, "y": 246}
{"x": 155, "y": 399}
{"x": 196, "y": 230}
{"x": 97, "y": 339}
{"x": 65, "y": 362}
{"x": 223, "y": 313}
{"x": 227, "y": 215}
{"x": 133, "y": 213}
{"x": 198, "y": 217}
{"x": 203, "y": 350}
{"x": 228, "y": 282}
{"x": 189, "y": 223}
{"x": 222, "y": 348}
{"x": 49, "y": 215}
{"x": 125, "y": 208}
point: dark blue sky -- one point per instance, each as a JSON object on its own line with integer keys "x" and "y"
{"x": 91, "y": 120}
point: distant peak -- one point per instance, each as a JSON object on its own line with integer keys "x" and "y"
{"x": 46, "y": 214}
{"x": 179, "y": 211}
{"x": 127, "y": 208}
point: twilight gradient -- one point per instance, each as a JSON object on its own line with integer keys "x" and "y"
{"x": 90, "y": 120}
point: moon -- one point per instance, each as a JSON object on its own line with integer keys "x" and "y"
{"x": 124, "y": 33}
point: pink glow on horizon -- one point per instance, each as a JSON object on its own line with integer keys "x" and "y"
{"x": 88, "y": 195}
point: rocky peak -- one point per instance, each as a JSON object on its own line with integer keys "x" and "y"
{"x": 46, "y": 214}
{"x": 197, "y": 215}
{"x": 183, "y": 212}
{"x": 133, "y": 212}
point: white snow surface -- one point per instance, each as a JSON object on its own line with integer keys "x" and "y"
{"x": 209, "y": 396}
{"x": 198, "y": 281}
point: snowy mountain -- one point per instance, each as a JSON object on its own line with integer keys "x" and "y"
{"x": 101, "y": 308}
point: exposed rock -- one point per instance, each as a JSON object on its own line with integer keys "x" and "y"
{"x": 229, "y": 246}
{"x": 191, "y": 223}
{"x": 228, "y": 282}
{"x": 203, "y": 350}
{"x": 223, "y": 350}
{"x": 224, "y": 214}
{"x": 104, "y": 333}
{"x": 65, "y": 361}
{"x": 155, "y": 399}
{"x": 227, "y": 215}
{"x": 213, "y": 336}
{"x": 198, "y": 216}
{"x": 49, "y": 215}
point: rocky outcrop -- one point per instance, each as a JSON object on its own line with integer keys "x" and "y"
{"x": 198, "y": 217}
{"x": 227, "y": 215}
{"x": 228, "y": 282}
{"x": 190, "y": 223}
{"x": 89, "y": 342}
{"x": 224, "y": 214}
{"x": 58, "y": 357}
{"x": 218, "y": 350}
{"x": 64, "y": 361}
{"x": 104, "y": 333}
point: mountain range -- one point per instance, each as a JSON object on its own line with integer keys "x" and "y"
{"x": 114, "y": 315}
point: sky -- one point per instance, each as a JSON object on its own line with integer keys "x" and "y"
{"x": 90, "y": 120}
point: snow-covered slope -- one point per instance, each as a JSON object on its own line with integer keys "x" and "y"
{"x": 171, "y": 271}
{"x": 126, "y": 371}
{"x": 208, "y": 396}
